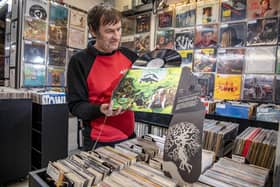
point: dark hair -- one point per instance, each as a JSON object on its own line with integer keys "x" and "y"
{"x": 102, "y": 14}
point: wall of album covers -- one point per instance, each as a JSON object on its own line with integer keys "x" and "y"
{"x": 231, "y": 45}
{"x": 45, "y": 36}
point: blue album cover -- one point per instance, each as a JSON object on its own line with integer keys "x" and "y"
{"x": 34, "y": 75}
{"x": 58, "y": 14}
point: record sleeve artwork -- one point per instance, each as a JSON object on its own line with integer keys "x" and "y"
{"x": 57, "y": 35}
{"x": 77, "y": 19}
{"x": 76, "y": 38}
{"x": 37, "y": 9}
{"x": 34, "y": 29}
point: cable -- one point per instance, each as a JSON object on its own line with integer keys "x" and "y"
{"x": 101, "y": 129}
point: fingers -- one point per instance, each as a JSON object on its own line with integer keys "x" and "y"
{"x": 106, "y": 109}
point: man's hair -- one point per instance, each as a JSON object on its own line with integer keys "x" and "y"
{"x": 102, "y": 14}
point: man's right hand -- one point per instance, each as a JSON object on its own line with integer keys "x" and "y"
{"x": 106, "y": 109}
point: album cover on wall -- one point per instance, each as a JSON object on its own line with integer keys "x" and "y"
{"x": 128, "y": 25}
{"x": 230, "y": 61}
{"x": 56, "y": 77}
{"x": 34, "y": 52}
{"x": 206, "y": 82}
{"x": 233, "y": 35}
{"x": 34, "y": 75}
{"x": 233, "y": 10}
{"x": 143, "y": 23}
{"x": 206, "y": 36}
{"x": 37, "y": 9}
{"x": 57, "y": 35}
{"x": 185, "y": 15}
{"x": 277, "y": 89}
{"x": 260, "y": 59}
{"x": 142, "y": 43}
{"x": 258, "y": 87}
{"x": 262, "y": 8}
{"x": 78, "y": 19}
{"x": 207, "y": 12}
{"x": 165, "y": 19}
{"x": 262, "y": 32}
{"x": 184, "y": 39}
{"x": 278, "y": 60}
{"x": 187, "y": 58}
{"x": 14, "y": 31}
{"x": 58, "y": 14}
{"x": 205, "y": 60}
{"x": 35, "y": 29}
{"x": 76, "y": 38}
{"x": 227, "y": 87}
{"x": 128, "y": 42}
{"x": 57, "y": 55}
{"x": 165, "y": 39}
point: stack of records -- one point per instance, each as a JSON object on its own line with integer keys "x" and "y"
{"x": 257, "y": 145}
{"x": 10, "y": 93}
{"x": 48, "y": 97}
{"x": 268, "y": 112}
{"x": 228, "y": 173}
{"x": 159, "y": 131}
{"x": 218, "y": 136}
{"x": 141, "y": 128}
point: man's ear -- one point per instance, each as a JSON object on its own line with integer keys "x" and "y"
{"x": 92, "y": 31}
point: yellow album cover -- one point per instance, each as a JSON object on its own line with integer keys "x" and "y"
{"x": 227, "y": 87}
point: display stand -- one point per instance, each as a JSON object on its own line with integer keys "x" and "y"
{"x": 15, "y": 138}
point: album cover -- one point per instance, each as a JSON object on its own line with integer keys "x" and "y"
{"x": 143, "y": 23}
{"x": 185, "y": 15}
{"x": 206, "y": 82}
{"x": 34, "y": 52}
{"x": 76, "y": 38}
{"x": 184, "y": 40}
{"x": 13, "y": 52}
{"x": 142, "y": 43}
{"x": 34, "y": 75}
{"x": 128, "y": 25}
{"x": 278, "y": 60}
{"x": 227, "y": 87}
{"x": 57, "y": 35}
{"x": 206, "y": 36}
{"x": 262, "y": 32}
{"x": 260, "y": 59}
{"x": 165, "y": 39}
{"x": 78, "y": 19}
{"x": 205, "y": 60}
{"x": 128, "y": 42}
{"x": 277, "y": 89}
{"x": 35, "y": 29}
{"x": 262, "y": 8}
{"x": 57, "y": 55}
{"x": 56, "y": 77}
{"x": 233, "y": 35}
{"x": 165, "y": 19}
{"x": 258, "y": 87}
{"x": 230, "y": 61}
{"x": 37, "y": 9}
{"x": 58, "y": 14}
{"x": 233, "y": 10}
{"x": 207, "y": 12}
{"x": 187, "y": 58}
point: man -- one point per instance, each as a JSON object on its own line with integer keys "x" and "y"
{"x": 92, "y": 75}
{"x": 206, "y": 39}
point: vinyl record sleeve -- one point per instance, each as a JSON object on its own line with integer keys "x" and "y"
{"x": 58, "y": 15}
{"x": 257, "y": 9}
{"x": 260, "y": 59}
{"x": 187, "y": 58}
{"x": 35, "y": 29}
{"x": 128, "y": 25}
{"x": 206, "y": 36}
{"x": 232, "y": 35}
{"x": 56, "y": 76}
{"x": 230, "y": 61}
{"x": 165, "y": 19}
{"x": 143, "y": 23}
{"x": 262, "y": 32}
{"x": 227, "y": 87}
{"x": 57, "y": 55}
{"x": 34, "y": 75}
{"x": 184, "y": 39}
{"x": 233, "y": 10}
{"x": 142, "y": 43}
{"x": 258, "y": 87}
{"x": 206, "y": 82}
{"x": 37, "y": 9}
{"x": 165, "y": 39}
{"x": 185, "y": 15}
{"x": 207, "y": 12}
{"x": 76, "y": 38}
{"x": 34, "y": 52}
{"x": 205, "y": 60}
{"x": 57, "y": 35}
{"x": 78, "y": 19}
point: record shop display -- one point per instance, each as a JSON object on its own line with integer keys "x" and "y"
{"x": 37, "y": 9}
{"x": 159, "y": 58}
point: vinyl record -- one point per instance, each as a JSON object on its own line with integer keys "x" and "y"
{"x": 159, "y": 58}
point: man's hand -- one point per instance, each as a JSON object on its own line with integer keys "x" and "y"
{"x": 106, "y": 109}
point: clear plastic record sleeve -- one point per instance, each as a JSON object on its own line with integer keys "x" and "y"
{"x": 260, "y": 60}
{"x": 58, "y": 14}
{"x": 185, "y": 15}
{"x": 184, "y": 39}
{"x": 165, "y": 19}
{"x": 257, "y": 9}
{"x": 35, "y": 29}
{"x": 37, "y": 9}
{"x": 206, "y": 36}
{"x": 233, "y": 10}
{"x": 76, "y": 38}
{"x": 207, "y": 12}
{"x": 34, "y": 52}
{"x": 56, "y": 76}
{"x": 232, "y": 35}
{"x": 205, "y": 60}
{"x": 77, "y": 19}
{"x": 165, "y": 39}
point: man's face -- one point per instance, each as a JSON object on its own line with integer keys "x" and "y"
{"x": 108, "y": 38}
{"x": 264, "y": 5}
{"x": 206, "y": 38}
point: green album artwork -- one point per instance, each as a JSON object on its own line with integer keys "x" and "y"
{"x": 148, "y": 90}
